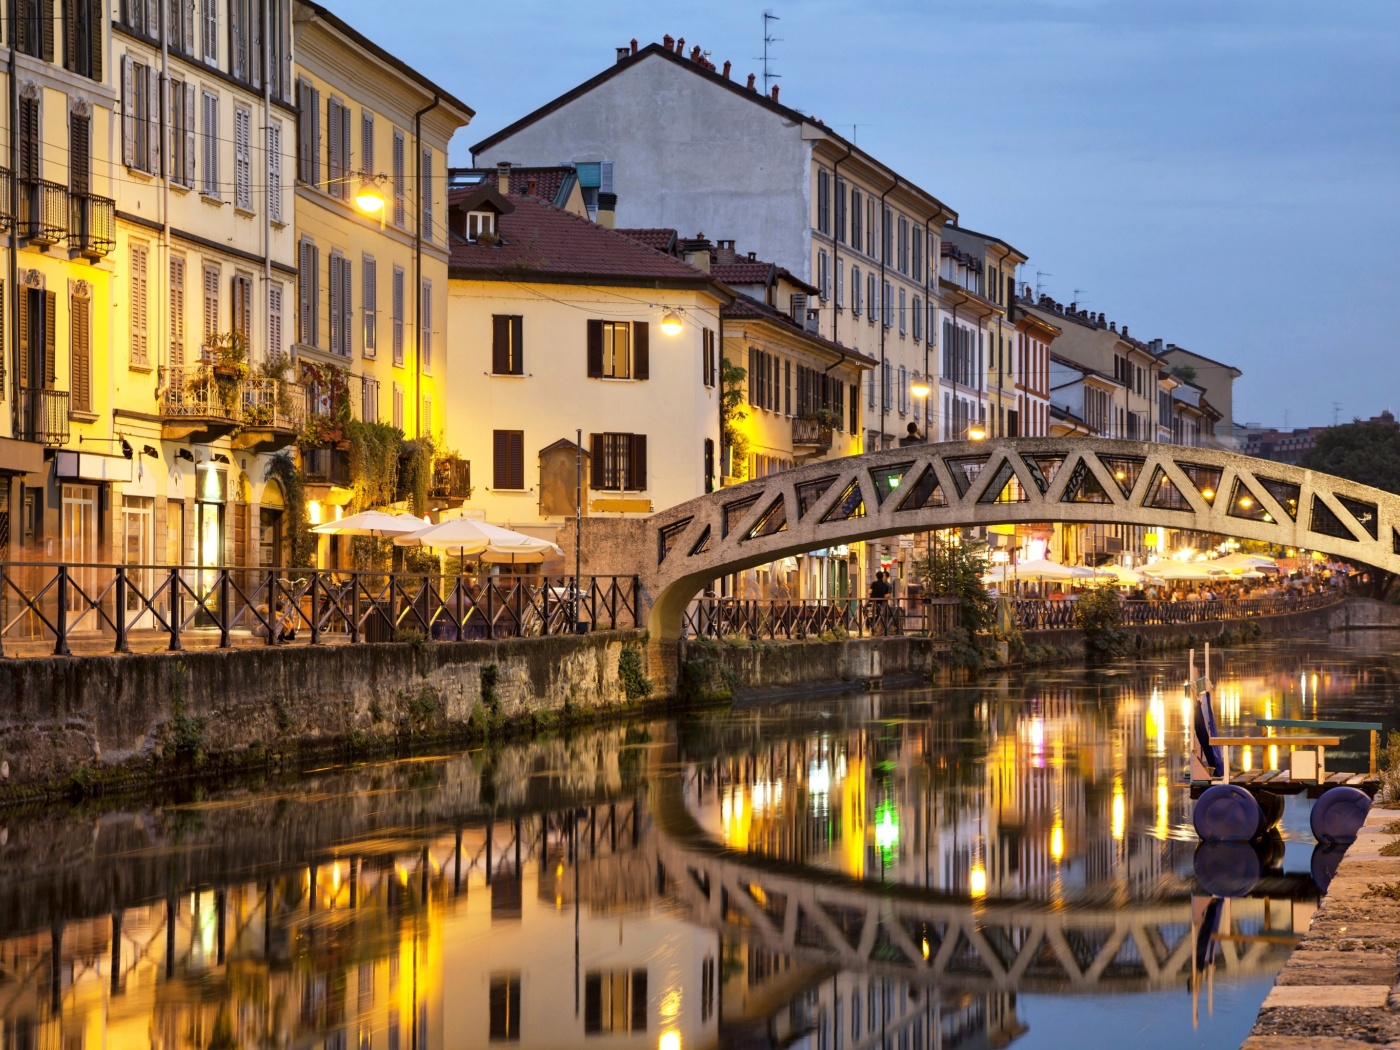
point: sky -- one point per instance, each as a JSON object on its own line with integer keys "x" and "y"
{"x": 1224, "y": 175}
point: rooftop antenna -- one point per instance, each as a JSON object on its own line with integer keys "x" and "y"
{"x": 1079, "y": 292}
{"x": 1039, "y": 274}
{"x": 769, "y": 38}
{"x": 1336, "y": 412}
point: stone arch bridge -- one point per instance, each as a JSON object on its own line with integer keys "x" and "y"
{"x": 996, "y": 482}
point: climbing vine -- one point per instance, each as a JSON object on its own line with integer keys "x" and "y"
{"x": 301, "y": 545}
{"x": 418, "y": 473}
{"x": 732, "y": 413}
{"x": 374, "y": 462}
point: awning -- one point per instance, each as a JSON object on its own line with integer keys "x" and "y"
{"x": 91, "y": 466}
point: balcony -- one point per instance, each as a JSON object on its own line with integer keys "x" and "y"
{"x": 43, "y": 416}
{"x": 325, "y": 468}
{"x": 272, "y": 413}
{"x": 92, "y": 231}
{"x": 43, "y": 211}
{"x": 811, "y": 435}
{"x": 197, "y": 403}
{"x": 452, "y": 479}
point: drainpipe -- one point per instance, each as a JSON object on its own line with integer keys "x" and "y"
{"x": 267, "y": 163}
{"x": 884, "y": 320}
{"x": 930, "y": 402}
{"x": 12, "y": 13}
{"x": 418, "y": 263}
{"x": 836, "y": 243}
{"x": 162, "y": 274}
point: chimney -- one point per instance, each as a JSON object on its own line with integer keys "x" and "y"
{"x": 622, "y": 53}
{"x": 680, "y": 46}
{"x": 1113, "y": 326}
{"x": 751, "y": 80}
{"x": 726, "y": 69}
{"x": 634, "y": 45}
{"x": 724, "y": 253}
{"x": 668, "y": 42}
{"x": 607, "y": 210}
{"x": 532, "y": 186}
{"x": 503, "y": 178}
{"x": 696, "y": 251}
{"x": 753, "y": 256}
{"x": 797, "y": 309}
{"x": 1125, "y": 331}
{"x": 695, "y": 53}
{"x": 775, "y": 93}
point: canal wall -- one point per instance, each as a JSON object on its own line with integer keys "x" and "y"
{"x": 93, "y": 719}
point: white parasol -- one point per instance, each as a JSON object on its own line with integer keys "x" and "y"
{"x": 468, "y": 536}
{"x": 370, "y": 523}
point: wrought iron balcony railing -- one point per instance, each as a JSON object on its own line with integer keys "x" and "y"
{"x": 452, "y": 479}
{"x": 810, "y": 432}
{"x": 7, "y": 213}
{"x": 273, "y": 403}
{"x": 43, "y": 211}
{"x": 43, "y": 416}
{"x": 194, "y": 392}
{"x": 93, "y": 225}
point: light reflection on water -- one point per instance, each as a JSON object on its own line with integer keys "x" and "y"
{"x": 1006, "y": 862}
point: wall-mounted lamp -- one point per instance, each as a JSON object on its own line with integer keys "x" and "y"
{"x": 920, "y": 388}
{"x": 219, "y": 457}
{"x": 147, "y": 450}
{"x": 369, "y": 198}
{"x": 671, "y": 323}
{"x": 127, "y": 449}
{"x": 185, "y": 454}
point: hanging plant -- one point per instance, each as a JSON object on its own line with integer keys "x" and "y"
{"x": 301, "y": 544}
{"x": 375, "y": 449}
{"x": 329, "y": 386}
{"x": 418, "y": 473}
{"x": 731, "y": 402}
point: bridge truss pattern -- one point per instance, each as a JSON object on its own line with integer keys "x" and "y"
{"x": 1016, "y": 481}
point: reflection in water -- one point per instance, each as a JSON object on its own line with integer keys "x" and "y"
{"x": 908, "y": 868}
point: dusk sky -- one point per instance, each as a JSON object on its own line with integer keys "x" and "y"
{"x": 1222, "y": 175}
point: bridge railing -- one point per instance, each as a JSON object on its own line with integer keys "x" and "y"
{"x": 718, "y": 617}
{"x": 51, "y": 608}
{"x": 1039, "y": 614}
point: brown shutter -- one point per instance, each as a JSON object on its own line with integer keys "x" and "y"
{"x": 595, "y": 349}
{"x": 500, "y": 466}
{"x": 70, "y": 34}
{"x": 79, "y": 154}
{"x": 641, "y": 351}
{"x": 517, "y": 342}
{"x": 50, "y": 339}
{"x": 595, "y": 473}
{"x": 517, "y": 459}
{"x": 81, "y": 351}
{"x": 639, "y": 1000}
{"x": 22, "y": 302}
{"x": 46, "y": 28}
{"x": 500, "y": 345}
{"x": 638, "y": 458}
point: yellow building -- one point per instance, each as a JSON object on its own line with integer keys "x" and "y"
{"x": 371, "y": 240}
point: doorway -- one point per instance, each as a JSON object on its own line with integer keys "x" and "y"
{"x": 138, "y": 554}
{"x": 79, "y": 534}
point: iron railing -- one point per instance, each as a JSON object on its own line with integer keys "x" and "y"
{"x": 43, "y": 416}
{"x": 809, "y": 432}
{"x": 50, "y": 608}
{"x": 194, "y": 392}
{"x": 715, "y": 617}
{"x": 7, "y": 215}
{"x": 1039, "y": 614}
{"x": 272, "y": 403}
{"x": 326, "y": 466}
{"x": 452, "y": 479}
{"x": 92, "y": 227}
{"x": 43, "y": 211}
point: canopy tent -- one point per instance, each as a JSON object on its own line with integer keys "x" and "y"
{"x": 468, "y": 537}
{"x": 370, "y": 523}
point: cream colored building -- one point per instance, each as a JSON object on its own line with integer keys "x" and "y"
{"x": 372, "y": 284}
{"x": 561, "y": 326}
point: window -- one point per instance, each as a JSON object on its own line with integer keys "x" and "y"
{"x": 140, "y": 352}
{"x": 241, "y": 308}
{"x": 280, "y": 30}
{"x": 840, "y": 283}
{"x": 615, "y": 1001}
{"x": 507, "y": 349}
{"x": 886, "y": 385}
{"x": 903, "y": 323}
{"x": 211, "y": 304}
{"x": 398, "y": 316}
{"x": 480, "y": 223}
{"x": 274, "y": 171}
{"x": 342, "y": 308}
{"x": 708, "y": 364}
{"x": 398, "y": 406}
{"x": 902, "y": 256}
{"x": 274, "y": 318}
{"x": 618, "y": 462}
{"x": 855, "y": 409}
{"x": 507, "y": 459}
{"x": 855, "y": 291}
{"x": 871, "y": 219}
{"x": 425, "y": 190}
{"x": 370, "y": 309}
{"x": 140, "y": 116}
{"x": 80, "y": 344}
{"x": 367, "y": 142}
{"x": 824, "y": 274}
{"x": 242, "y": 158}
{"x": 179, "y": 27}
{"x": 309, "y": 294}
{"x": 30, "y": 140}
{"x": 903, "y": 390}
{"x": 855, "y": 219}
{"x": 425, "y": 420}
{"x": 82, "y": 20}
{"x": 79, "y": 154}
{"x": 399, "y": 179}
{"x": 238, "y": 38}
{"x": 872, "y": 297}
{"x": 918, "y": 318}
{"x": 338, "y": 149}
{"x": 823, "y": 202}
{"x": 369, "y": 399}
{"x": 177, "y": 311}
{"x": 916, "y": 267}
{"x": 211, "y": 30}
{"x": 840, "y": 210}
{"x": 425, "y": 334}
{"x": 182, "y": 138}
{"x": 887, "y": 304}
{"x": 308, "y": 134}
{"x": 504, "y": 1008}
{"x": 34, "y": 32}
{"x": 211, "y": 144}
{"x": 618, "y": 350}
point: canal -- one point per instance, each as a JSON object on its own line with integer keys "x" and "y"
{"x": 1004, "y": 863}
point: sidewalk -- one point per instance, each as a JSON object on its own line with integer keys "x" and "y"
{"x": 1338, "y": 990}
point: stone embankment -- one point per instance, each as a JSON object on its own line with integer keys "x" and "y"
{"x": 1338, "y": 990}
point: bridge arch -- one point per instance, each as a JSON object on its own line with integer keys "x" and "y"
{"x": 1008, "y": 481}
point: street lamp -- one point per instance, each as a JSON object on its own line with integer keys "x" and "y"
{"x": 369, "y": 198}
{"x": 920, "y": 387}
{"x": 976, "y": 432}
{"x": 671, "y": 323}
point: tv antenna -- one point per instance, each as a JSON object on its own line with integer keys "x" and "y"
{"x": 1077, "y": 293}
{"x": 1039, "y": 282}
{"x": 1336, "y": 412}
{"x": 769, "y": 38}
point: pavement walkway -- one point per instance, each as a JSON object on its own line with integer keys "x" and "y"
{"x": 1340, "y": 989}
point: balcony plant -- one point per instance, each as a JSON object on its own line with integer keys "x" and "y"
{"x": 329, "y": 386}
{"x": 825, "y": 416}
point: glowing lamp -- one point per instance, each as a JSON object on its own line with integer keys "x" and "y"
{"x": 369, "y": 199}
{"x": 671, "y": 323}
{"x": 920, "y": 388}
{"x": 976, "y": 433}
{"x": 1246, "y": 502}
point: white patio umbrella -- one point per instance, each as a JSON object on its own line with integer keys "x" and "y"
{"x": 1036, "y": 570}
{"x": 468, "y": 536}
{"x": 1120, "y": 574}
{"x": 1241, "y": 562}
{"x": 1180, "y": 570}
{"x": 370, "y": 523}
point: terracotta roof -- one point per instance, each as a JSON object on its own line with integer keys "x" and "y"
{"x": 758, "y": 98}
{"x": 551, "y": 183}
{"x": 742, "y": 271}
{"x": 661, "y": 238}
{"x": 748, "y": 306}
{"x": 541, "y": 240}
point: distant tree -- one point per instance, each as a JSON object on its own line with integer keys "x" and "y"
{"x": 1368, "y": 453}
{"x": 1185, "y": 373}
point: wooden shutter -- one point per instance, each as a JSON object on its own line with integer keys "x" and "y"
{"x": 508, "y": 453}
{"x": 425, "y": 190}
{"x": 315, "y": 136}
{"x": 70, "y": 33}
{"x": 399, "y": 179}
{"x": 191, "y": 105}
{"x": 641, "y": 350}
{"x": 303, "y": 131}
{"x": 211, "y": 31}
{"x": 79, "y": 154}
{"x": 596, "y": 464}
{"x": 369, "y": 280}
{"x": 50, "y": 339}
{"x": 242, "y": 158}
{"x": 367, "y": 141}
{"x": 337, "y": 333}
{"x": 128, "y": 114}
{"x": 238, "y": 38}
{"x": 500, "y": 344}
{"x": 638, "y": 462}
{"x": 22, "y": 29}
{"x": 177, "y": 312}
{"x": 81, "y": 350}
{"x": 595, "y": 349}
{"x": 335, "y": 175}
{"x": 274, "y": 171}
{"x": 517, "y": 345}
{"x": 22, "y": 304}
{"x": 639, "y": 1000}
{"x": 347, "y": 306}
{"x": 152, "y": 120}
{"x": 46, "y": 28}
{"x": 188, "y": 44}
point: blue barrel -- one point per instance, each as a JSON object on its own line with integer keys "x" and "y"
{"x": 1338, "y": 815}
{"x": 1227, "y": 813}
{"x": 1227, "y": 869}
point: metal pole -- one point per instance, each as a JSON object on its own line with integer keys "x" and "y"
{"x": 578, "y": 524}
